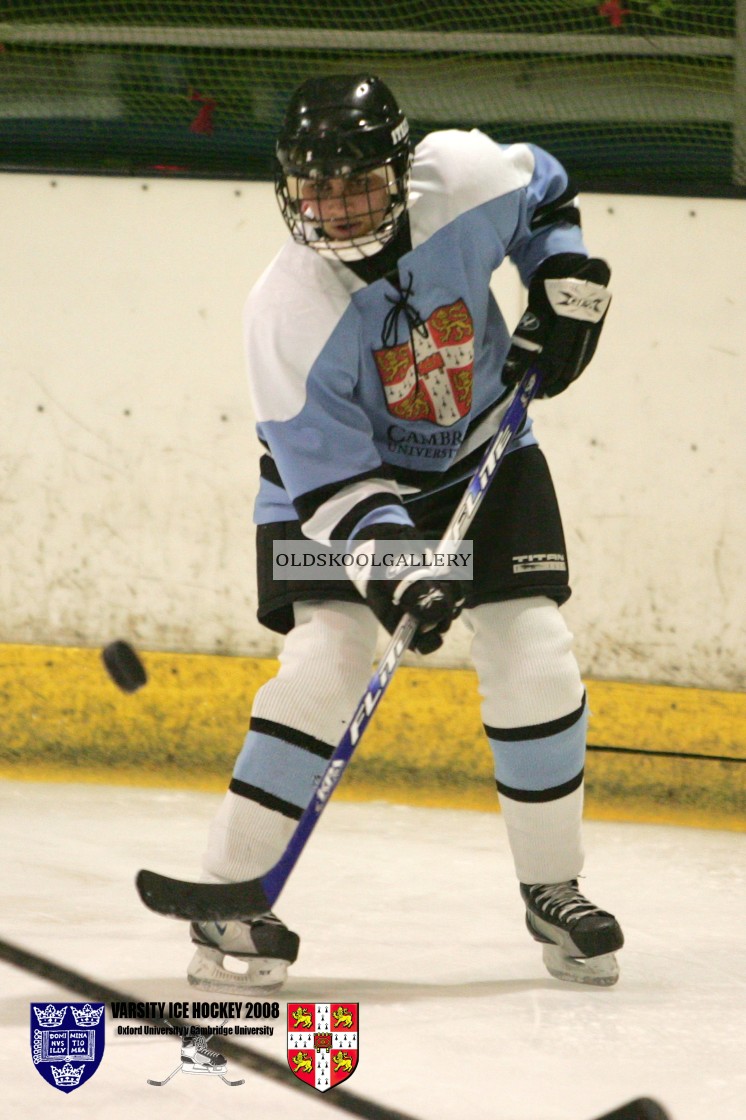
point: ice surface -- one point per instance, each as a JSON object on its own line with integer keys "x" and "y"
{"x": 415, "y": 915}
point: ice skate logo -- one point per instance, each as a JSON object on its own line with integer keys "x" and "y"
{"x": 198, "y": 1058}
{"x": 67, "y": 1042}
{"x": 323, "y": 1042}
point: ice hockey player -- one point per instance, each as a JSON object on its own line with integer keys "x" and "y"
{"x": 377, "y": 360}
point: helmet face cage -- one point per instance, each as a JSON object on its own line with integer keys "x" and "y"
{"x": 342, "y": 167}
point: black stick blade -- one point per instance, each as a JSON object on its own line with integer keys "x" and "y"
{"x": 124, "y": 666}
{"x": 202, "y": 902}
{"x": 642, "y": 1109}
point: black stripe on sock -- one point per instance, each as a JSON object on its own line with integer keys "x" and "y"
{"x": 292, "y": 736}
{"x": 268, "y": 800}
{"x": 536, "y": 795}
{"x": 535, "y": 730}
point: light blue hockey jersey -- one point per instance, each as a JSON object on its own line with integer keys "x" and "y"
{"x": 366, "y": 395}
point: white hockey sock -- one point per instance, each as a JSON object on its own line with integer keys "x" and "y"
{"x": 545, "y": 839}
{"x": 298, "y": 718}
{"x": 534, "y": 715}
{"x": 245, "y": 840}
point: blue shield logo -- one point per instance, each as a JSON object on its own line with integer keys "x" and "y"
{"x": 67, "y": 1042}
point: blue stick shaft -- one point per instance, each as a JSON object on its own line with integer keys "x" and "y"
{"x": 274, "y": 880}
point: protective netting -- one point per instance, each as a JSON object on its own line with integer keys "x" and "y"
{"x": 630, "y": 94}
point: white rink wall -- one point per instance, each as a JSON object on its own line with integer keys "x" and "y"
{"x": 129, "y": 463}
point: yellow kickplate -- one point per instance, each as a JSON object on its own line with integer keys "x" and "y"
{"x": 64, "y": 719}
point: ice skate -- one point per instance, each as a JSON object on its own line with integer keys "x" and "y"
{"x": 197, "y": 1057}
{"x": 259, "y": 952}
{"x": 579, "y": 939}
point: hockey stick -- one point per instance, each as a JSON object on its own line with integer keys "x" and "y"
{"x": 204, "y": 902}
{"x": 166, "y": 1080}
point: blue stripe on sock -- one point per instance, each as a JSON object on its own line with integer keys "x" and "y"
{"x": 538, "y": 764}
{"x": 279, "y": 768}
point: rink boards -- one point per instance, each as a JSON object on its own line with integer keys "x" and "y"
{"x": 656, "y": 753}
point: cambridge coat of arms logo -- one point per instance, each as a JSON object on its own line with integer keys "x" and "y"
{"x": 67, "y": 1042}
{"x": 430, "y": 376}
{"x": 323, "y": 1042}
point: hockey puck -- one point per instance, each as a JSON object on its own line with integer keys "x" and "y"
{"x": 124, "y": 666}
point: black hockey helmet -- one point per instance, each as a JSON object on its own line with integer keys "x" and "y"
{"x": 342, "y": 127}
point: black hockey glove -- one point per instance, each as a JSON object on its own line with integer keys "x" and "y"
{"x": 433, "y": 602}
{"x": 558, "y": 332}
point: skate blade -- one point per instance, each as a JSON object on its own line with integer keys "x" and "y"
{"x": 260, "y": 974}
{"x": 600, "y": 971}
{"x": 205, "y": 1070}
